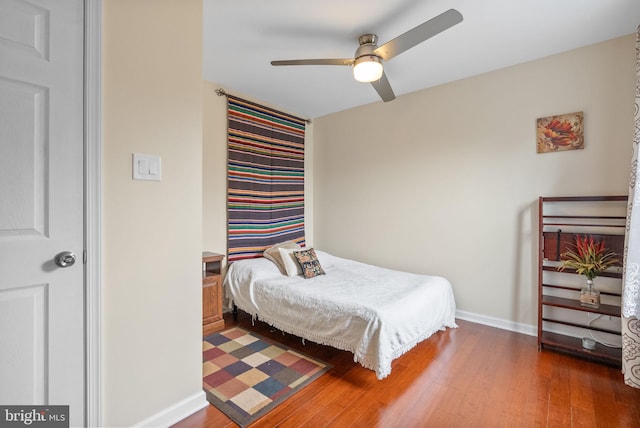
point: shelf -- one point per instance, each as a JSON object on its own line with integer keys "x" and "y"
{"x": 573, "y": 345}
{"x": 573, "y": 324}
{"x": 610, "y": 274}
{"x": 565, "y": 287}
{"x": 584, "y": 224}
{"x": 584, "y": 198}
{"x": 561, "y": 302}
{"x": 555, "y": 243}
{"x": 208, "y": 274}
{"x": 587, "y": 217}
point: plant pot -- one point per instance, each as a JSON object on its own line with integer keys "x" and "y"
{"x": 589, "y": 296}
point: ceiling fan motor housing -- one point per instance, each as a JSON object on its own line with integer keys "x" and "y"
{"x": 368, "y": 44}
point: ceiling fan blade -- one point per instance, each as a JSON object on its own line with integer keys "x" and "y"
{"x": 419, "y": 34}
{"x": 383, "y": 88}
{"x": 326, "y": 61}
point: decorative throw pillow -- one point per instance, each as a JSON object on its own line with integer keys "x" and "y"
{"x": 273, "y": 254}
{"x": 309, "y": 263}
{"x": 291, "y": 265}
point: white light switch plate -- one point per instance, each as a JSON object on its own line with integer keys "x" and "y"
{"x": 147, "y": 167}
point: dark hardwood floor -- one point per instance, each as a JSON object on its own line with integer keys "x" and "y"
{"x": 472, "y": 376}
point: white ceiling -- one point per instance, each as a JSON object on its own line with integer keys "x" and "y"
{"x": 242, "y": 37}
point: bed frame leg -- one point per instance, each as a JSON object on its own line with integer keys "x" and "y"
{"x": 234, "y": 311}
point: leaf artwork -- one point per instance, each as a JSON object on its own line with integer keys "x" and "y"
{"x": 557, "y": 133}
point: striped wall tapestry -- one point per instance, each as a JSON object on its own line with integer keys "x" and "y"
{"x": 265, "y": 197}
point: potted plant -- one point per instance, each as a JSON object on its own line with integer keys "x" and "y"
{"x": 588, "y": 258}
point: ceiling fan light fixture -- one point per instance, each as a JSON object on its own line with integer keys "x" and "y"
{"x": 367, "y": 68}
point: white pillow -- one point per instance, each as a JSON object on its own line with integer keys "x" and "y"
{"x": 272, "y": 254}
{"x": 291, "y": 265}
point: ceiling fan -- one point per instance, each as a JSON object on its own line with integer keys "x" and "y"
{"x": 367, "y": 61}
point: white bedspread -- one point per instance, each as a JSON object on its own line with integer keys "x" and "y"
{"x": 377, "y": 314}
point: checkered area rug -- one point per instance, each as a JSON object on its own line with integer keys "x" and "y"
{"x": 246, "y": 375}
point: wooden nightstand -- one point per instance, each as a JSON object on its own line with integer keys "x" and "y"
{"x": 212, "y": 320}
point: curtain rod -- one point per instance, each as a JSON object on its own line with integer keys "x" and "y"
{"x": 221, "y": 93}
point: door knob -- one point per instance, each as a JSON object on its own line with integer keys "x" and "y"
{"x": 65, "y": 259}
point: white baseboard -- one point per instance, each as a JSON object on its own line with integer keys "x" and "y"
{"x": 498, "y": 323}
{"x": 177, "y": 412}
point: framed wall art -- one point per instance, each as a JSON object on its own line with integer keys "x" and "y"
{"x": 559, "y": 133}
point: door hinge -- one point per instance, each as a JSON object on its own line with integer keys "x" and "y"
{"x": 84, "y": 257}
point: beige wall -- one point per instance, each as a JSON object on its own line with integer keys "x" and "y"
{"x": 152, "y": 237}
{"x": 445, "y": 181}
{"x": 214, "y": 171}
{"x": 214, "y": 174}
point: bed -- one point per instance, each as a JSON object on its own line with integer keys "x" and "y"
{"x": 377, "y": 314}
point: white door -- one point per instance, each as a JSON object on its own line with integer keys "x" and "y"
{"x": 41, "y": 204}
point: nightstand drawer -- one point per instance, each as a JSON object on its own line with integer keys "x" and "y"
{"x": 208, "y": 281}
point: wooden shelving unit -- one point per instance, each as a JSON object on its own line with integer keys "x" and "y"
{"x": 562, "y": 320}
